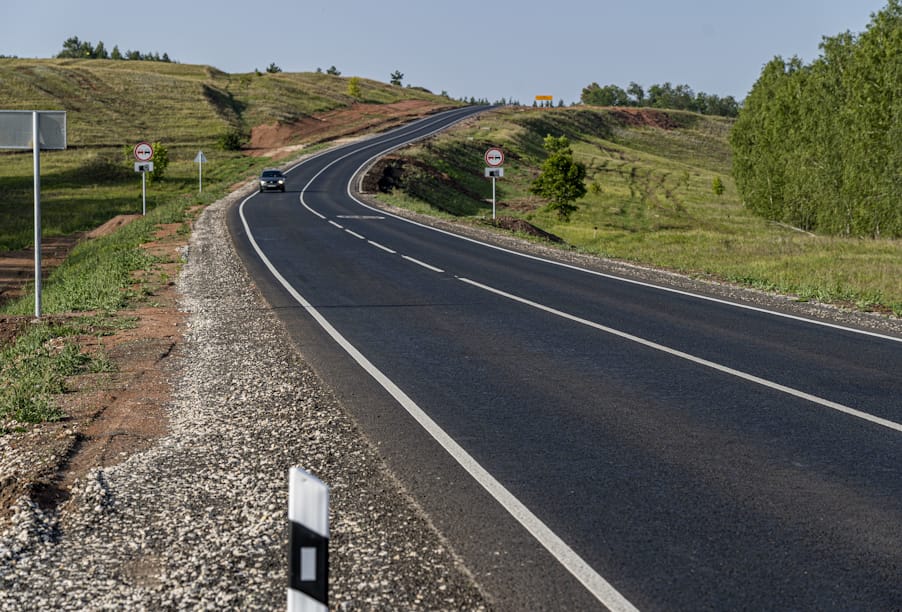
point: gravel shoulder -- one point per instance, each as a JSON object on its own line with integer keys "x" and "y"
{"x": 198, "y": 521}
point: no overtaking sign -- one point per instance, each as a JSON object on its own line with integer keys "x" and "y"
{"x": 143, "y": 151}
{"x": 494, "y": 157}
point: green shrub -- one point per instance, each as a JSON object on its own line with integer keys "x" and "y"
{"x": 232, "y": 140}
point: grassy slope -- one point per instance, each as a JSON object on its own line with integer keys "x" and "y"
{"x": 113, "y": 104}
{"x": 651, "y": 201}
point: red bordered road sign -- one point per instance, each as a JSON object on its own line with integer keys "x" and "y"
{"x": 143, "y": 151}
{"x": 494, "y": 157}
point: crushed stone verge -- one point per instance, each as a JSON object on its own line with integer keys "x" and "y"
{"x": 199, "y": 521}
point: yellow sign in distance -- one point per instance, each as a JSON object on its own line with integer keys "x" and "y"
{"x": 542, "y": 98}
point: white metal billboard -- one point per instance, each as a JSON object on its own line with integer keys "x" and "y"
{"x": 16, "y": 130}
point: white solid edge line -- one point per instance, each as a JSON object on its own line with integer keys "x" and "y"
{"x": 704, "y": 362}
{"x": 600, "y": 588}
{"x": 421, "y": 263}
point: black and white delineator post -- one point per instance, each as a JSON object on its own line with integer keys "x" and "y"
{"x": 308, "y": 543}
{"x": 34, "y": 130}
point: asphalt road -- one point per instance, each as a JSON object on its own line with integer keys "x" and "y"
{"x": 583, "y": 441}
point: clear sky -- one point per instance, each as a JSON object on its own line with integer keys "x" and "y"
{"x": 483, "y": 48}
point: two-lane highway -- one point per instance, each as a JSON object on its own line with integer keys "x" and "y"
{"x": 583, "y": 440}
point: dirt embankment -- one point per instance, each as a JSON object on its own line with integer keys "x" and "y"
{"x": 280, "y": 140}
{"x": 109, "y": 415}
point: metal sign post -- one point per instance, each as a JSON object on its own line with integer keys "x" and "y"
{"x": 494, "y": 173}
{"x": 494, "y": 157}
{"x": 143, "y": 153}
{"x": 200, "y": 159}
{"x": 25, "y": 130}
{"x": 36, "y": 148}
{"x": 144, "y": 168}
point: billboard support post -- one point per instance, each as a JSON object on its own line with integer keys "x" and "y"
{"x": 24, "y": 130}
{"x": 36, "y": 147}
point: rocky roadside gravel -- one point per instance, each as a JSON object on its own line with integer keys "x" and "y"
{"x": 199, "y": 521}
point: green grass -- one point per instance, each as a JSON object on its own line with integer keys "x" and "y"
{"x": 33, "y": 369}
{"x": 112, "y": 105}
{"x": 650, "y": 201}
{"x": 96, "y": 277}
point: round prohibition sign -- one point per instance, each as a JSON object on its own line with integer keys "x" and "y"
{"x": 143, "y": 151}
{"x": 494, "y": 157}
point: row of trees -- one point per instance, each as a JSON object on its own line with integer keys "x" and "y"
{"x": 820, "y": 146}
{"x": 83, "y": 49}
{"x": 679, "y": 97}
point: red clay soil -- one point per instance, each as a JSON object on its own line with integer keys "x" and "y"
{"x": 644, "y": 117}
{"x": 109, "y": 415}
{"x": 279, "y": 140}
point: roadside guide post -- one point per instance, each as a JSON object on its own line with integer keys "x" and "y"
{"x": 494, "y": 158}
{"x": 200, "y": 159}
{"x": 143, "y": 153}
{"x": 308, "y": 542}
{"x": 25, "y": 130}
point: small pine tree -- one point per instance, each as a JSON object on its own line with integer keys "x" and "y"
{"x": 396, "y": 77}
{"x": 354, "y": 88}
{"x": 273, "y": 68}
{"x": 333, "y": 71}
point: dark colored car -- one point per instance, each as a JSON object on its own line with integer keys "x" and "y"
{"x": 272, "y": 179}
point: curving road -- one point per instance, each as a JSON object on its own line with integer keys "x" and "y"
{"x": 585, "y": 441}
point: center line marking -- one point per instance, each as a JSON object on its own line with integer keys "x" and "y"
{"x": 384, "y": 248}
{"x": 421, "y": 263}
{"x": 336, "y": 224}
{"x": 355, "y": 234}
{"x": 698, "y": 360}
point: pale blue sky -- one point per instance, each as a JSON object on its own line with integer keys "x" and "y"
{"x": 483, "y": 48}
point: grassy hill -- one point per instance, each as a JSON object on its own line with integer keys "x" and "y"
{"x": 650, "y": 200}
{"x": 650, "y": 172}
{"x": 113, "y": 104}
{"x": 116, "y": 102}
